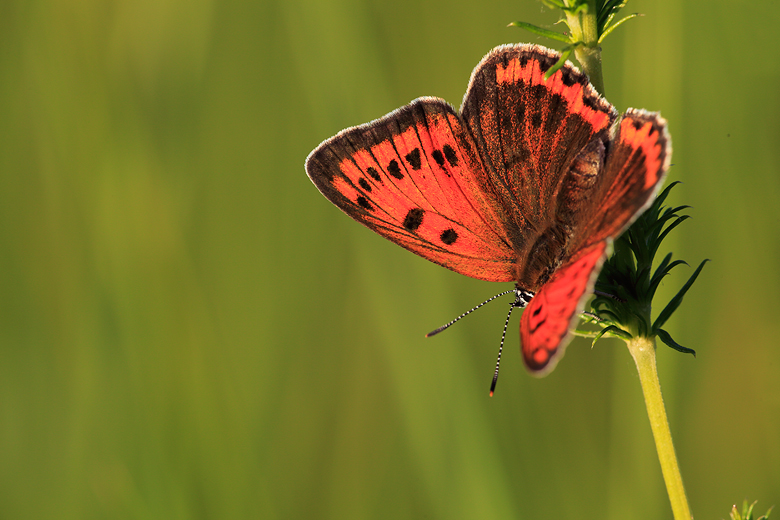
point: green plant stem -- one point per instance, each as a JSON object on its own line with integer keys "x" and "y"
{"x": 590, "y": 59}
{"x": 643, "y": 351}
{"x": 584, "y": 28}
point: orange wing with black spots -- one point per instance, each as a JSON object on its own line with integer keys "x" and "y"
{"x": 416, "y": 178}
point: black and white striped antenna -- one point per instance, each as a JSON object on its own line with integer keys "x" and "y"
{"x": 522, "y": 297}
{"x": 444, "y": 327}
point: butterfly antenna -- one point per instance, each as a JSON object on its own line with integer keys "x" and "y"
{"x": 520, "y": 301}
{"x": 607, "y": 295}
{"x": 443, "y": 327}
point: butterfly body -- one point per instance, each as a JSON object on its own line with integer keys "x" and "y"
{"x": 528, "y": 183}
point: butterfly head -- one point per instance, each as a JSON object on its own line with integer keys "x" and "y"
{"x": 522, "y": 297}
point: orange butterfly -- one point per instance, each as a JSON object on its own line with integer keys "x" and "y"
{"x": 528, "y": 183}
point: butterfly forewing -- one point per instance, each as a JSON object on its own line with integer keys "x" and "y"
{"x": 414, "y": 176}
{"x": 529, "y": 130}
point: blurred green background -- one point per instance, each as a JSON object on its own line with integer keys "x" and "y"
{"x": 188, "y": 329}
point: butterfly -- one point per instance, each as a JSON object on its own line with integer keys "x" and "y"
{"x": 528, "y": 183}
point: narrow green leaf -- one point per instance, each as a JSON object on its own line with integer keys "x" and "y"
{"x": 607, "y": 315}
{"x": 659, "y": 274}
{"x": 677, "y": 300}
{"x": 612, "y": 329}
{"x": 542, "y": 32}
{"x": 554, "y": 4}
{"x": 661, "y": 269}
{"x": 680, "y": 208}
{"x": 661, "y": 197}
{"x": 657, "y": 227}
{"x": 612, "y": 6}
{"x": 643, "y": 279}
{"x": 608, "y": 11}
{"x": 661, "y": 221}
{"x": 666, "y": 338}
{"x": 561, "y": 61}
{"x": 615, "y": 26}
{"x": 666, "y": 231}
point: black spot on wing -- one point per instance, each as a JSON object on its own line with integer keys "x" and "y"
{"x": 438, "y": 157}
{"x": 536, "y": 312}
{"x": 373, "y": 173}
{"x": 363, "y": 202}
{"x": 414, "y": 219}
{"x": 449, "y": 236}
{"x": 523, "y": 60}
{"x": 395, "y": 170}
{"x": 539, "y": 324}
{"x": 538, "y": 92}
{"x": 450, "y": 154}
{"x": 364, "y": 184}
{"x": 557, "y": 112}
{"x": 413, "y": 158}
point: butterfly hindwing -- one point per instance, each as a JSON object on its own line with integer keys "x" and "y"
{"x": 636, "y": 164}
{"x": 415, "y": 177}
{"x": 548, "y": 318}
